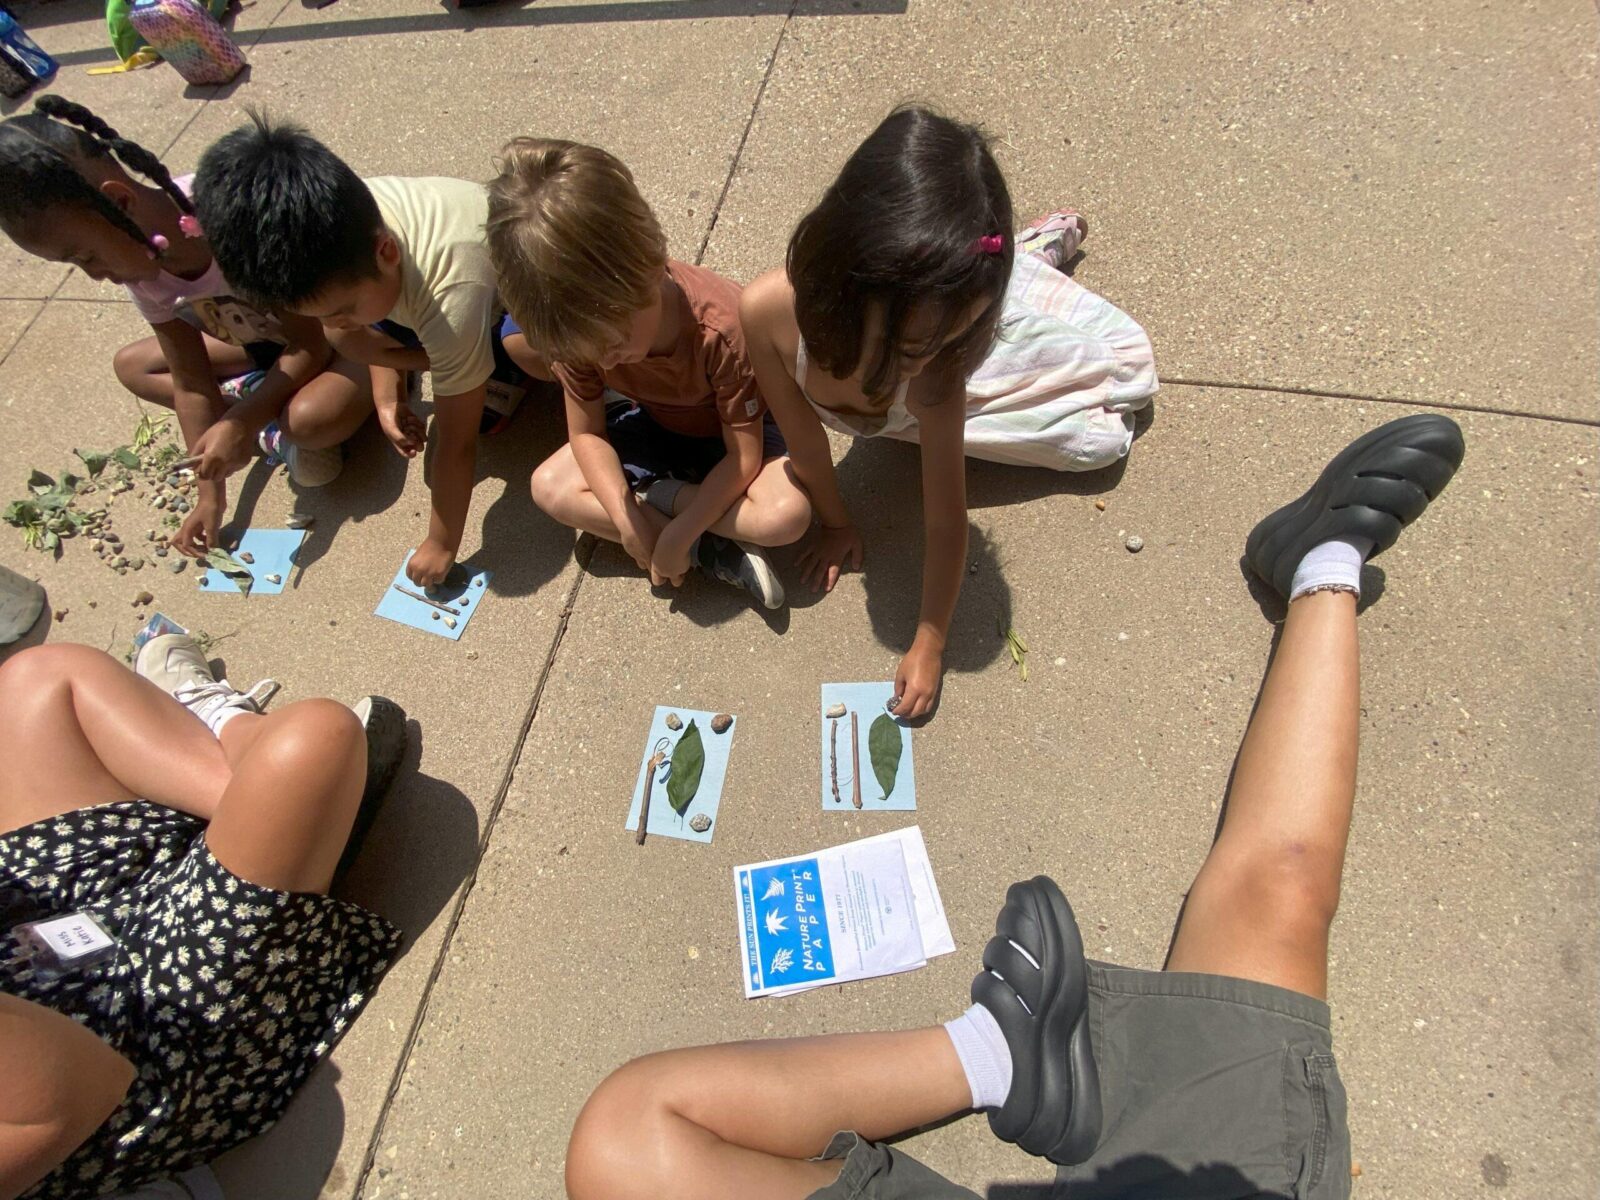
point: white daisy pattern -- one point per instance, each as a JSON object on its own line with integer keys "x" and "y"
{"x": 207, "y": 964}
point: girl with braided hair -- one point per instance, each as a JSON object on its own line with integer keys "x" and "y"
{"x": 73, "y": 190}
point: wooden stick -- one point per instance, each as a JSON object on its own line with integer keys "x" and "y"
{"x": 855, "y": 757}
{"x": 405, "y": 591}
{"x": 656, "y": 760}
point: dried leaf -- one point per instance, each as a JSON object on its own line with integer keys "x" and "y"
{"x": 39, "y": 483}
{"x": 231, "y": 569}
{"x": 688, "y": 764}
{"x": 885, "y": 745}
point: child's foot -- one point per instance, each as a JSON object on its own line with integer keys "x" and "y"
{"x": 385, "y": 724}
{"x": 240, "y": 386}
{"x": 1054, "y": 237}
{"x": 175, "y": 663}
{"x": 1035, "y": 984}
{"x": 308, "y": 468}
{"x": 1372, "y": 489}
{"x": 741, "y": 564}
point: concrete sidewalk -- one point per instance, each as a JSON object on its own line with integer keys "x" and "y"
{"x": 1325, "y": 216}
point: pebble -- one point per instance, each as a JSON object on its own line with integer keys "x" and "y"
{"x": 1100, "y": 505}
{"x": 97, "y": 545}
{"x": 161, "y": 501}
{"x": 674, "y": 722}
{"x": 161, "y": 551}
{"x": 472, "y": 655}
{"x": 177, "y": 565}
{"x": 700, "y": 822}
{"x": 1061, "y": 662}
{"x": 61, "y": 614}
{"x": 119, "y": 562}
{"x": 719, "y": 724}
{"x": 274, "y": 578}
{"x": 449, "y": 622}
{"x": 181, "y": 505}
{"x": 1134, "y": 544}
{"x": 836, "y": 710}
{"x": 142, "y": 599}
{"x": 173, "y": 481}
{"x": 435, "y": 616}
{"x": 246, "y": 557}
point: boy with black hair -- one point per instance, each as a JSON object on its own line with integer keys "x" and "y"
{"x": 394, "y": 268}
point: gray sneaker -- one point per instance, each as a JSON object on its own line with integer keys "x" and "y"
{"x": 741, "y": 564}
{"x": 175, "y": 663}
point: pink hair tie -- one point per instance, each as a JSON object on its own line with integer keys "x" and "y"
{"x": 190, "y": 224}
{"x": 158, "y": 244}
{"x": 989, "y": 243}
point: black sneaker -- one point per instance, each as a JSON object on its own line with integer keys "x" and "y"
{"x": 740, "y": 564}
{"x": 385, "y": 724}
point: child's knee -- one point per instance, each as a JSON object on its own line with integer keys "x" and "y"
{"x": 39, "y": 668}
{"x": 790, "y": 515}
{"x": 133, "y": 364}
{"x": 615, "y": 1139}
{"x": 547, "y": 485}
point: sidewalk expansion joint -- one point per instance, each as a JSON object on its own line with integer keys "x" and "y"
{"x": 465, "y": 894}
{"x": 1325, "y": 394}
{"x": 738, "y": 154}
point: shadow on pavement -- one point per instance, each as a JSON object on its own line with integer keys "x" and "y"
{"x": 1139, "y": 1175}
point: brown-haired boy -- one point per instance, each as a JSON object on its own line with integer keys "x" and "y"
{"x": 692, "y": 472}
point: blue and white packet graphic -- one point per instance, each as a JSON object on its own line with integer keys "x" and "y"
{"x": 462, "y": 596}
{"x": 856, "y": 911}
{"x": 273, "y": 552}
{"x": 864, "y": 703}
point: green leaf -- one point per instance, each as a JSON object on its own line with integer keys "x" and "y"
{"x": 688, "y": 763}
{"x": 125, "y": 457}
{"x": 50, "y": 540}
{"x": 231, "y": 569}
{"x": 39, "y": 483}
{"x": 22, "y": 513}
{"x": 884, "y": 742}
{"x": 94, "y": 460}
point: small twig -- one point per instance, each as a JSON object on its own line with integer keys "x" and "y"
{"x": 855, "y": 759}
{"x": 834, "y": 760}
{"x": 655, "y": 761}
{"x": 405, "y": 591}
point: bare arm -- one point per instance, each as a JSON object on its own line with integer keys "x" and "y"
{"x": 938, "y": 403}
{"x": 455, "y": 466}
{"x": 197, "y": 402}
{"x": 305, "y": 356}
{"x": 373, "y": 348}
{"x": 61, "y": 1083}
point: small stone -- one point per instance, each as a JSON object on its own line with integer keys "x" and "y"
{"x": 472, "y": 655}
{"x": 97, "y": 545}
{"x": 1134, "y": 544}
{"x": 700, "y": 822}
{"x": 181, "y": 505}
{"x": 161, "y": 501}
{"x": 1061, "y": 662}
{"x": 142, "y": 599}
{"x": 1100, "y": 505}
{"x": 136, "y": 563}
{"x": 246, "y": 557}
{"x": 151, "y": 536}
{"x": 173, "y": 481}
{"x": 94, "y": 604}
{"x": 177, "y": 565}
{"x": 835, "y": 711}
{"x": 674, "y": 722}
{"x": 61, "y": 614}
{"x": 119, "y": 562}
{"x": 973, "y": 569}
{"x": 693, "y": 952}
{"x": 273, "y": 578}
{"x": 161, "y": 551}
{"x": 720, "y": 724}
{"x": 449, "y": 622}
{"x": 435, "y": 616}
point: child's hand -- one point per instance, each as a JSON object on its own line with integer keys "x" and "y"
{"x": 200, "y": 529}
{"x": 916, "y": 682}
{"x": 430, "y": 564}
{"x": 638, "y": 536}
{"x": 670, "y": 561}
{"x": 402, "y": 426}
{"x": 222, "y": 449}
{"x": 825, "y": 557}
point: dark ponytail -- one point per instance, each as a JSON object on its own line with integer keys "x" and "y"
{"x": 38, "y": 168}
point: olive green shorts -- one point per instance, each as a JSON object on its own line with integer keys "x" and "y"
{"x": 1212, "y": 1088}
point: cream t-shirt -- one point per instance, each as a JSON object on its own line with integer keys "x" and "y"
{"x": 447, "y": 284}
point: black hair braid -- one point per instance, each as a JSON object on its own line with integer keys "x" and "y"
{"x": 128, "y": 152}
{"x": 35, "y": 175}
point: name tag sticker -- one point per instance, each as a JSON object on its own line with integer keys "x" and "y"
{"x": 69, "y": 943}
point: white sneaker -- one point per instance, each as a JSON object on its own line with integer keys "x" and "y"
{"x": 308, "y": 468}
{"x": 175, "y": 663}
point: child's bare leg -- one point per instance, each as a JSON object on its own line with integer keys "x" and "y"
{"x": 142, "y": 367}
{"x": 774, "y": 511}
{"x": 331, "y": 407}
{"x": 1263, "y": 902}
{"x": 77, "y": 728}
{"x": 560, "y": 489}
{"x": 742, "y": 1120}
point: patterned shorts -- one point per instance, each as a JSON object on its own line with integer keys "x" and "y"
{"x": 223, "y": 994}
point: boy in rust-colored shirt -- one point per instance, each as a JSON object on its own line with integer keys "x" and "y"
{"x": 670, "y": 451}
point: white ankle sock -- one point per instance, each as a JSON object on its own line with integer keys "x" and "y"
{"x": 984, "y": 1055}
{"x": 1334, "y": 564}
